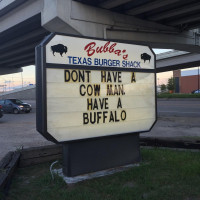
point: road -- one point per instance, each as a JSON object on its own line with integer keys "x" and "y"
{"x": 183, "y": 108}
{"x": 177, "y": 119}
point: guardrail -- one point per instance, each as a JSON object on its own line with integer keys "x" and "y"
{"x": 17, "y": 90}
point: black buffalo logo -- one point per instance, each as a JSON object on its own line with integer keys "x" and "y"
{"x": 59, "y": 48}
{"x": 145, "y": 56}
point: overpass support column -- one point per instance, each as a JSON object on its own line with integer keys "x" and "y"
{"x": 177, "y": 77}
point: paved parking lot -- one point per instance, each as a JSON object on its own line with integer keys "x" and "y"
{"x": 19, "y": 130}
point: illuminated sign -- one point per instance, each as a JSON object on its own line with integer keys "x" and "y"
{"x": 92, "y": 88}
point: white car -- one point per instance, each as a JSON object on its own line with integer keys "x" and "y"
{"x": 197, "y": 91}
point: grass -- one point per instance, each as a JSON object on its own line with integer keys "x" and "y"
{"x": 189, "y": 138}
{"x": 162, "y": 175}
{"x": 167, "y": 95}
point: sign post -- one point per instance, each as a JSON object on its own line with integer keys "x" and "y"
{"x": 94, "y": 97}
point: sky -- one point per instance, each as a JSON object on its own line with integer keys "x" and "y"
{"x": 14, "y": 81}
{"x": 27, "y": 77}
{"x": 163, "y": 77}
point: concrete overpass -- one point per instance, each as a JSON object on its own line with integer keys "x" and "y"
{"x": 173, "y": 60}
{"x": 159, "y": 23}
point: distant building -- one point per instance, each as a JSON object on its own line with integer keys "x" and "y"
{"x": 186, "y": 81}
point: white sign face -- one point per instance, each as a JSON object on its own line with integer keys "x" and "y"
{"x": 88, "y": 52}
{"x": 87, "y": 103}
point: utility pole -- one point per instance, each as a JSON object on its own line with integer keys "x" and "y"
{"x": 4, "y": 87}
{"x": 9, "y": 84}
{"x": 22, "y": 79}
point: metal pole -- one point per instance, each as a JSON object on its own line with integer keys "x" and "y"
{"x": 198, "y": 79}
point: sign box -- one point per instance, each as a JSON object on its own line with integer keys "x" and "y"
{"x": 89, "y": 88}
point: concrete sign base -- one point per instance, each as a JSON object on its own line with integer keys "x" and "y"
{"x": 77, "y": 179}
{"x": 93, "y": 155}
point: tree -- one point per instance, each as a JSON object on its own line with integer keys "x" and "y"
{"x": 171, "y": 84}
{"x": 163, "y": 88}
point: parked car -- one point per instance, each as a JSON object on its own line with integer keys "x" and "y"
{"x": 15, "y": 106}
{"x": 196, "y": 92}
{"x": 1, "y": 111}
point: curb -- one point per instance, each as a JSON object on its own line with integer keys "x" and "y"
{"x": 178, "y": 99}
{"x": 170, "y": 143}
{"x": 8, "y": 166}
